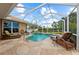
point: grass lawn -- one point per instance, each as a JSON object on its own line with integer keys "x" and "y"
{"x": 55, "y": 32}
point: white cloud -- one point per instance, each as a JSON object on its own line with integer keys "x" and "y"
{"x": 28, "y": 20}
{"x": 53, "y": 11}
{"x": 51, "y": 21}
{"x": 75, "y": 10}
{"x": 34, "y": 21}
{"x": 47, "y": 16}
{"x": 21, "y": 5}
{"x": 48, "y": 23}
{"x": 22, "y": 15}
{"x": 43, "y": 22}
{"x": 47, "y": 10}
{"x": 71, "y": 10}
{"x": 21, "y": 10}
{"x": 43, "y": 10}
{"x": 56, "y": 20}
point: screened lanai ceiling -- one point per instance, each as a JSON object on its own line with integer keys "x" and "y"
{"x": 42, "y": 14}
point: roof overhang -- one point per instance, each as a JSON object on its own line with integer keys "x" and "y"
{"x": 6, "y": 8}
{"x": 13, "y": 18}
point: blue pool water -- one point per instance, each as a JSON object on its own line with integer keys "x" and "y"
{"x": 38, "y": 37}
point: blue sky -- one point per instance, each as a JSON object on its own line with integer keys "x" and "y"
{"x": 41, "y": 15}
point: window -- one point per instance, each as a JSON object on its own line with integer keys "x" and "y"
{"x": 7, "y": 26}
{"x": 15, "y": 26}
{"x": 11, "y": 26}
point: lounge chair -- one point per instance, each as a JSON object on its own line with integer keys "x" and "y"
{"x": 8, "y": 35}
{"x": 65, "y": 41}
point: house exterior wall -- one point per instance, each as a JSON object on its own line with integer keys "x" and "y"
{"x": 22, "y": 23}
{"x": 22, "y": 27}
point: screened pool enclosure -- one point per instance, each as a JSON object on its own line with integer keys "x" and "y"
{"x": 49, "y": 17}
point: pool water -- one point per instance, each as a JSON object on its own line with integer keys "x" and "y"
{"x": 38, "y": 37}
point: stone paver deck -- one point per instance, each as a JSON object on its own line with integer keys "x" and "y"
{"x": 23, "y": 47}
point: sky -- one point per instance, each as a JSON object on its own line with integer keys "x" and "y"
{"x": 43, "y": 16}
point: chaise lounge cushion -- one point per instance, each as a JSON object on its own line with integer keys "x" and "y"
{"x": 8, "y": 35}
{"x": 64, "y": 41}
{"x": 65, "y": 44}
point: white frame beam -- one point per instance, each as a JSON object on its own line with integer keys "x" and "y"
{"x": 73, "y": 10}
{"x": 35, "y": 9}
{"x": 38, "y": 6}
{"x": 77, "y": 41}
{"x": 64, "y": 26}
{"x": 67, "y": 23}
{"x": 67, "y": 4}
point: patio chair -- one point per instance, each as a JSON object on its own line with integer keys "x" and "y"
{"x": 8, "y": 35}
{"x": 65, "y": 41}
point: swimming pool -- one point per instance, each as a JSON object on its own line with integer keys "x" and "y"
{"x": 37, "y": 37}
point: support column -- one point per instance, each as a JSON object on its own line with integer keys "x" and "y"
{"x": 64, "y": 26}
{"x": 67, "y": 23}
{"x": 77, "y": 41}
